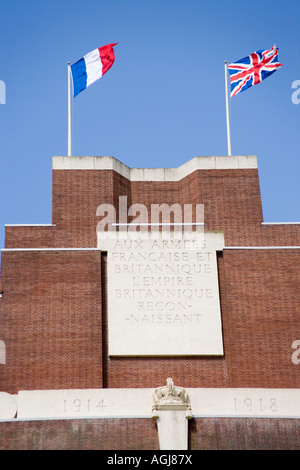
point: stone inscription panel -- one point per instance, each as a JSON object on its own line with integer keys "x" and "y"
{"x": 163, "y": 296}
{"x": 125, "y": 403}
{"x": 100, "y": 403}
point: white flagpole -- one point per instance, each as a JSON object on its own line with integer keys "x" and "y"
{"x": 69, "y": 111}
{"x": 227, "y": 110}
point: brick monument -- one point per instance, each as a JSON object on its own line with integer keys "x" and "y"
{"x": 157, "y": 299}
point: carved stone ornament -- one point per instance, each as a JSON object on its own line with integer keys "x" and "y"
{"x": 170, "y": 398}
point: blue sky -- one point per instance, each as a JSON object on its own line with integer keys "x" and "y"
{"x": 161, "y": 104}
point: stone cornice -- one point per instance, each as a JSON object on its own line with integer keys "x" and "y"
{"x": 155, "y": 174}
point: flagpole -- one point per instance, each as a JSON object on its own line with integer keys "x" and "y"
{"x": 227, "y": 110}
{"x": 69, "y": 112}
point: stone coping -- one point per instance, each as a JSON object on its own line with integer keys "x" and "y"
{"x": 138, "y": 403}
{"x": 155, "y": 174}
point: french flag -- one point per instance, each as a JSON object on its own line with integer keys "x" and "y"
{"x": 91, "y": 67}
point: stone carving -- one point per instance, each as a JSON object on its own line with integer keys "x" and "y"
{"x": 170, "y": 398}
{"x": 163, "y": 295}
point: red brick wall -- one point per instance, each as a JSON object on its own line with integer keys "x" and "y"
{"x": 231, "y": 201}
{"x": 50, "y": 320}
{"x": 262, "y": 295}
{"x": 244, "y": 434}
{"x": 79, "y": 434}
{"x": 141, "y": 434}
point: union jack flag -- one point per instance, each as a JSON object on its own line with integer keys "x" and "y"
{"x": 253, "y": 69}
